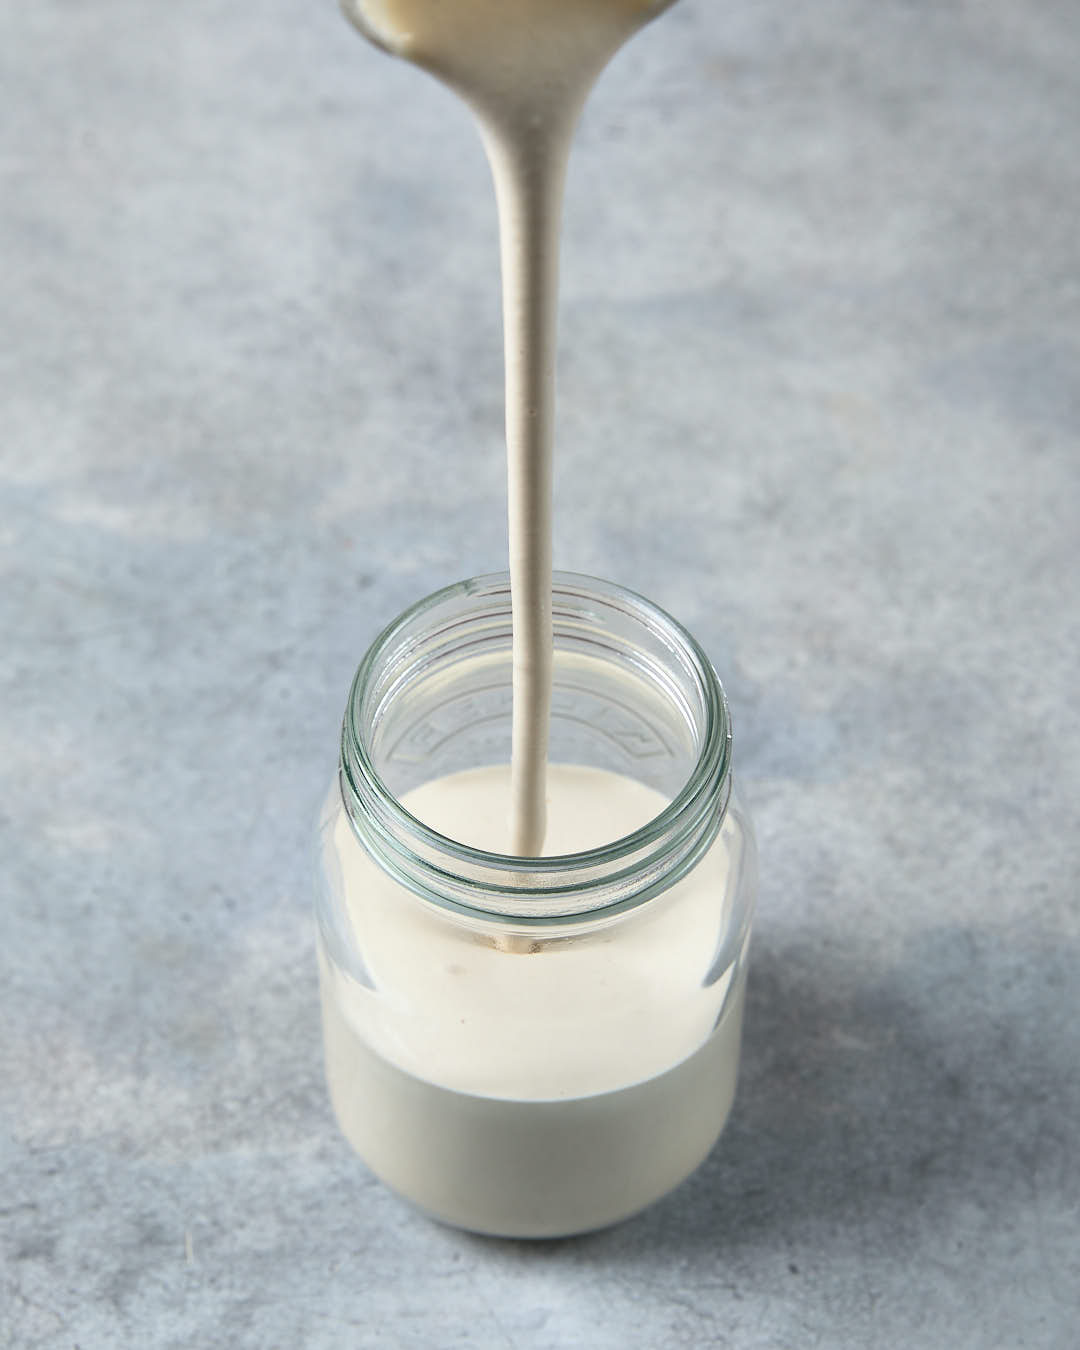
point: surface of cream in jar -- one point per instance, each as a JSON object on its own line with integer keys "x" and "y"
{"x": 581, "y": 1014}
{"x": 525, "y": 67}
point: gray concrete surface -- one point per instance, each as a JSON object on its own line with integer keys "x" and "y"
{"x": 819, "y": 397}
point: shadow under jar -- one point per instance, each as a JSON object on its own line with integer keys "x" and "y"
{"x": 534, "y": 1047}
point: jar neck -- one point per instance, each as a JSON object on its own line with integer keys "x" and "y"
{"x": 593, "y": 621}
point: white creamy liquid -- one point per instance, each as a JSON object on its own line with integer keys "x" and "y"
{"x": 549, "y": 1089}
{"x": 525, "y": 67}
{"x": 535, "y": 1082}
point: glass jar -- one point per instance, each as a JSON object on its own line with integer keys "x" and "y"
{"x": 534, "y": 1047}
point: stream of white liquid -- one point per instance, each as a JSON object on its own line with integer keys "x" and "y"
{"x": 525, "y": 67}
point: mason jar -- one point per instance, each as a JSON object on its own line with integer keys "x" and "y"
{"x": 534, "y": 1047}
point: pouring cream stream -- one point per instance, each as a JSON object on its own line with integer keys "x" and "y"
{"x": 525, "y": 67}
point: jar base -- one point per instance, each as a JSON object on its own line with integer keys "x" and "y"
{"x": 532, "y": 1169}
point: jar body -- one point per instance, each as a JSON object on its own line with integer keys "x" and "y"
{"x": 532, "y": 1048}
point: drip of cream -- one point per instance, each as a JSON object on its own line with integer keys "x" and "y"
{"x": 525, "y": 67}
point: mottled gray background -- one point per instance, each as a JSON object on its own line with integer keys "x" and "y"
{"x": 820, "y": 396}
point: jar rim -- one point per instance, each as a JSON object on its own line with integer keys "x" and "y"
{"x": 711, "y": 767}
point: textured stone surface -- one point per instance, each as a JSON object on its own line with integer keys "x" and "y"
{"x": 819, "y": 397}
